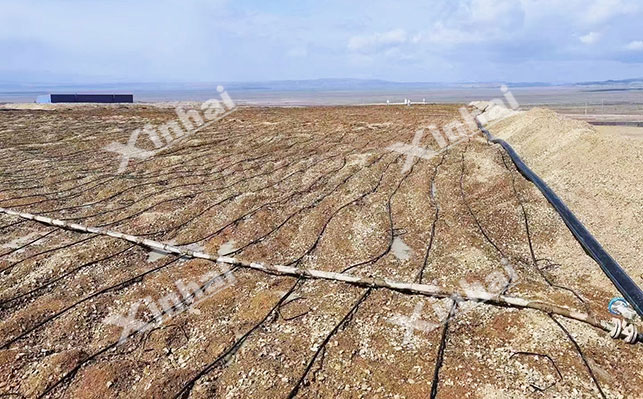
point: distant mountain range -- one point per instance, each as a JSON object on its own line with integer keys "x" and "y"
{"x": 303, "y": 85}
{"x": 363, "y": 84}
{"x": 624, "y": 82}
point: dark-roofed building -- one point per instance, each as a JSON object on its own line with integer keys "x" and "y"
{"x": 85, "y": 98}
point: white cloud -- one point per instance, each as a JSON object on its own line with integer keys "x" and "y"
{"x": 378, "y": 41}
{"x": 389, "y": 42}
{"x": 225, "y": 40}
{"x": 299, "y": 51}
{"x": 636, "y": 45}
{"x": 602, "y": 10}
{"x": 590, "y": 38}
{"x": 494, "y": 11}
{"x": 445, "y": 36}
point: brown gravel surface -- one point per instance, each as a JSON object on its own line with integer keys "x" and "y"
{"x": 308, "y": 187}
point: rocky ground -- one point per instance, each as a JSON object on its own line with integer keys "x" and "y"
{"x": 315, "y": 188}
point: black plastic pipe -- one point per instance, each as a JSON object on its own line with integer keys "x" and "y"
{"x": 623, "y": 283}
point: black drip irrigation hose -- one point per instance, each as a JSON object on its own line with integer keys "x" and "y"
{"x": 623, "y": 283}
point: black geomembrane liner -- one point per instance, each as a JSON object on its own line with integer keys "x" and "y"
{"x": 621, "y": 280}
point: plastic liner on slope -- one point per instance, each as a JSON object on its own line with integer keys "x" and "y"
{"x": 621, "y": 280}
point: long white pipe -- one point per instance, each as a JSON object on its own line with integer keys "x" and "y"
{"x": 411, "y": 288}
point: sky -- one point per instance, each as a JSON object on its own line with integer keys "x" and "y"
{"x": 74, "y": 41}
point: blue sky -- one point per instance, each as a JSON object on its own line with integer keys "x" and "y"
{"x": 71, "y": 41}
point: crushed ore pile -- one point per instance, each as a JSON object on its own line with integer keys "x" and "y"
{"x": 598, "y": 174}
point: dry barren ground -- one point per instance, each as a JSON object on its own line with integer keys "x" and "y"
{"x": 307, "y": 187}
